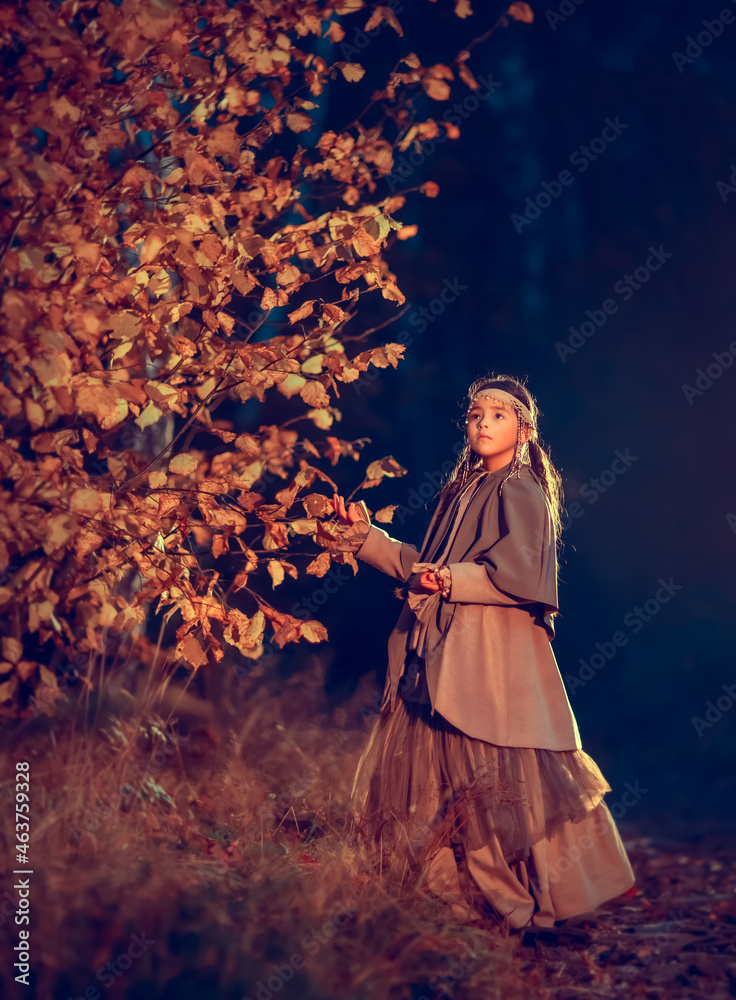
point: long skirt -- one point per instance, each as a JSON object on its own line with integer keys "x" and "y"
{"x": 521, "y": 835}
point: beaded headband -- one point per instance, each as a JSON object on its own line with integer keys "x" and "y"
{"x": 500, "y": 395}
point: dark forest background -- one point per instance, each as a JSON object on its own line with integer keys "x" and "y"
{"x": 662, "y": 184}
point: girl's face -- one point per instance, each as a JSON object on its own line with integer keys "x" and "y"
{"x": 492, "y": 428}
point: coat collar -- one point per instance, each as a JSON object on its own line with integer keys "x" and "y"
{"x": 437, "y": 531}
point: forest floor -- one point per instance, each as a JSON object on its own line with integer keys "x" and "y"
{"x": 201, "y": 857}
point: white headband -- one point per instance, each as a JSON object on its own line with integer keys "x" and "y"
{"x": 500, "y": 395}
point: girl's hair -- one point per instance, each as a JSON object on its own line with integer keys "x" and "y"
{"x": 538, "y": 457}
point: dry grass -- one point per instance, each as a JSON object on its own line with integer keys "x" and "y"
{"x": 208, "y": 853}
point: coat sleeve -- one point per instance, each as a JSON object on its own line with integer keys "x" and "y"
{"x": 520, "y": 567}
{"x": 471, "y": 584}
{"x": 388, "y": 554}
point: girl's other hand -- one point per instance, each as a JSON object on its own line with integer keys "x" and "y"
{"x": 430, "y": 582}
{"x": 349, "y": 516}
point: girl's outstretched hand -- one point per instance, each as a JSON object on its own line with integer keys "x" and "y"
{"x": 350, "y": 516}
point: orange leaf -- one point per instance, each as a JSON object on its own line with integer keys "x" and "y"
{"x": 297, "y": 121}
{"x": 152, "y": 246}
{"x": 438, "y": 90}
{"x": 320, "y": 565}
{"x": 384, "y": 467}
{"x": 521, "y": 12}
{"x": 384, "y": 14}
{"x": 352, "y": 71}
{"x": 313, "y": 394}
{"x": 190, "y": 649}
{"x": 335, "y": 32}
{"x": 13, "y": 648}
{"x": 90, "y": 502}
{"x": 364, "y": 245}
{"x": 314, "y": 631}
{"x": 276, "y": 568}
{"x": 385, "y": 514}
{"x": 184, "y": 464}
{"x": 288, "y": 632}
{"x": 305, "y": 309}
{"x": 392, "y": 292}
{"x": 128, "y": 618}
{"x": 430, "y": 188}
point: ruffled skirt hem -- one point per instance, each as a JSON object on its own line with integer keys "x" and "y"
{"x": 422, "y": 784}
{"x": 523, "y": 830}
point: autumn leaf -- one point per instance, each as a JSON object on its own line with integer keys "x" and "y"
{"x": 317, "y": 505}
{"x": 385, "y": 514}
{"x": 152, "y": 246}
{"x": 183, "y": 465}
{"x": 381, "y": 357}
{"x": 90, "y": 503}
{"x": 313, "y": 394}
{"x": 12, "y": 648}
{"x": 322, "y": 418}
{"x": 521, "y": 12}
{"x": 381, "y": 14}
{"x": 303, "y": 525}
{"x": 385, "y": 467}
{"x": 245, "y": 633}
{"x": 319, "y": 565}
{"x": 276, "y": 568}
{"x": 191, "y": 649}
{"x": 8, "y": 688}
{"x": 298, "y": 122}
{"x": 406, "y": 232}
{"x": 313, "y": 631}
{"x": 304, "y": 310}
{"x": 438, "y": 90}
{"x": 128, "y": 618}
{"x": 352, "y": 71}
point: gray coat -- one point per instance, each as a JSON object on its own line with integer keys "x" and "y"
{"x": 489, "y": 664}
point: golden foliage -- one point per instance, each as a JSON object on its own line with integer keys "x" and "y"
{"x": 154, "y": 181}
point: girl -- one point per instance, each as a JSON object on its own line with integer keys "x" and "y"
{"x": 474, "y": 776}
